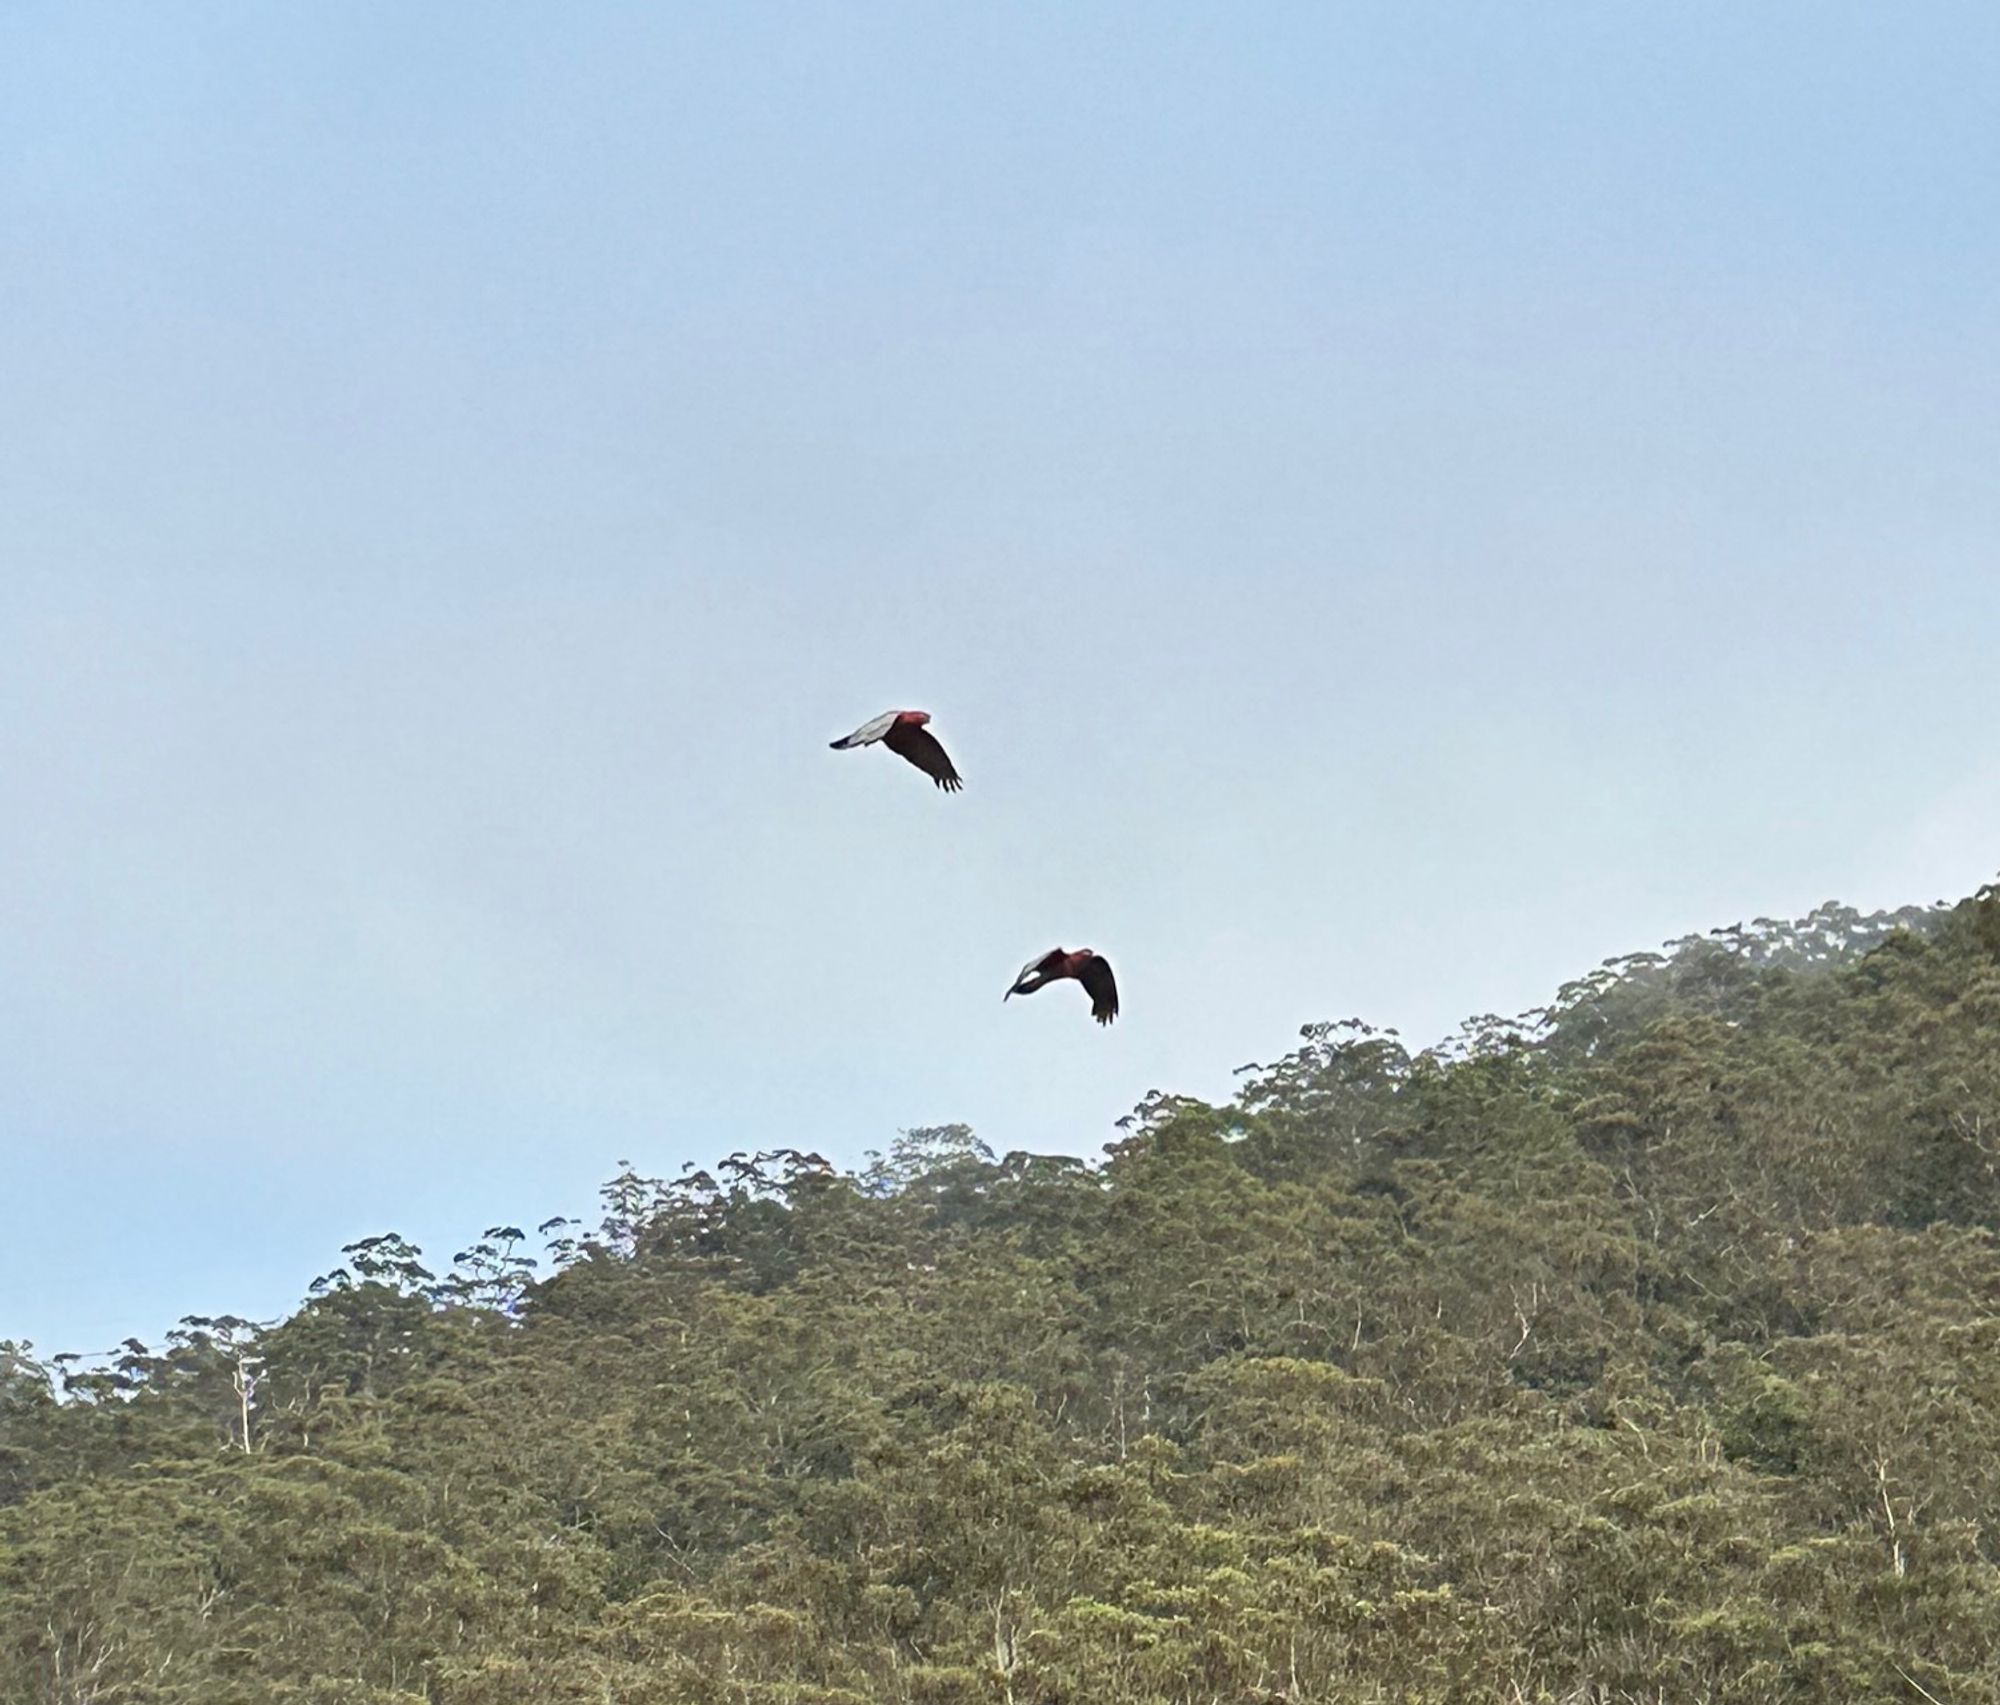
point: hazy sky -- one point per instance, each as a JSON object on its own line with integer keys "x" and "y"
{"x": 1387, "y": 505}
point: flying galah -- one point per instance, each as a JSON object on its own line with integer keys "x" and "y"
{"x": 903, "y": 732}
{"x": 1090, "y": 969}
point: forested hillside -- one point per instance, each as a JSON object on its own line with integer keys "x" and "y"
{"x": 1642, "y": 1348}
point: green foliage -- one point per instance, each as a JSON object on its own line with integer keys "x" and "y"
{"x": 1646, "y": 1347}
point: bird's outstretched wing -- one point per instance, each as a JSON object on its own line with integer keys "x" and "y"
{"x": 1101, "y": 986}
{"x": 918, "y": 744}
{"x": 868, "y": 733}
{"x": 1036, "y": 972}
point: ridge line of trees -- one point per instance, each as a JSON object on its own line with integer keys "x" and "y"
{"x": 1640, "y": 1347}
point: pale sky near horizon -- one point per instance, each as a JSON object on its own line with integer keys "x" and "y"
{"x": 1386, "y": 505}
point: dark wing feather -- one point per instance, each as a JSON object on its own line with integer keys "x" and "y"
{"x": 918, "y": 744}
{"x": 1101, "y": 986}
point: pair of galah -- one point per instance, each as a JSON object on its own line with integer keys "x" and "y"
{"x": 904, "y": 733}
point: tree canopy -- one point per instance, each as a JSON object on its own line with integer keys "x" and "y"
{"x": 1643, "y": 1347}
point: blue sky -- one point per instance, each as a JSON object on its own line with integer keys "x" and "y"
{"x": 1387, "y": 506}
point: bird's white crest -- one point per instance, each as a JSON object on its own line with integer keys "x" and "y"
{"x": 869, "y": 732}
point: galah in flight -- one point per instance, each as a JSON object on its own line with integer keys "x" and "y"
{"x": 1090, "y": 969}
{"x": 903, "y": 732}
